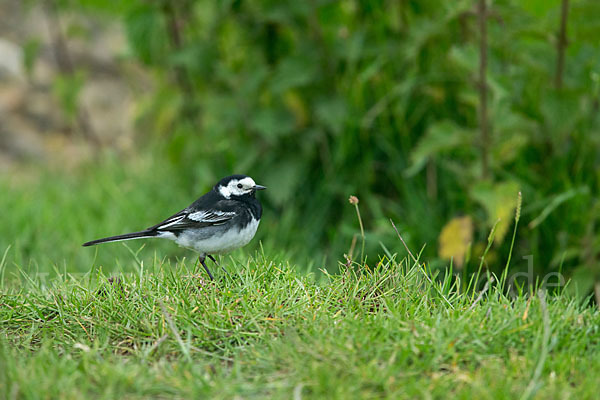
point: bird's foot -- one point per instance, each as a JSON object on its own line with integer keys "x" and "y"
{"x": 222, "y": 267}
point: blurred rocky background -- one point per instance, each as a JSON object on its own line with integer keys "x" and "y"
{"x": 65, "y": 87}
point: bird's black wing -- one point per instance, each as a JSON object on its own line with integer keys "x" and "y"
{"x": 195, "y": 217}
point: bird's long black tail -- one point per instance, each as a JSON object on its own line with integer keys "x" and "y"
{"x": 127, "y": 236}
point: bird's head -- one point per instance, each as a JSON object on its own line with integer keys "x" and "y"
{"x": 237, "y": 186}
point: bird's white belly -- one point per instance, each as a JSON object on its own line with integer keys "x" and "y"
{"x": 229, "y": 240}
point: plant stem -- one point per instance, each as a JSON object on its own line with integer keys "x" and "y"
{"x": 561, "y": 44}
{"x": 362, "y": 233}
{"x": 483, "y": 118}
{"x": 487, "y": 249}
{"x": 512, "y": 243}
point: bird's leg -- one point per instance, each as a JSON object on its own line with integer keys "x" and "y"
{"x": 201, "y": 259}
{"x": 215, "y": 261}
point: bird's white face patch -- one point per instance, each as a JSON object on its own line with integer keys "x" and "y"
{"x": 237, "y": 187}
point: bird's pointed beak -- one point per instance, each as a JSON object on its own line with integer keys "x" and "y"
{"x": 259, "y": 187}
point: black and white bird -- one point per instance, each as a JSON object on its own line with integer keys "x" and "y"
{"x": 222, "y": 220}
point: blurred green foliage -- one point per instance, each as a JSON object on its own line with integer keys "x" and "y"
{"x": 322, "y": 99}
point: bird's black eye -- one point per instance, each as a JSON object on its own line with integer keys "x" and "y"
{"x": 239, "y": 185}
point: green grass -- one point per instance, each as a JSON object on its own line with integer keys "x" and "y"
{"x": 270, "y": 331}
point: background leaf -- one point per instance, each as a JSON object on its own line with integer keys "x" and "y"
{"x": 455, "y": 238}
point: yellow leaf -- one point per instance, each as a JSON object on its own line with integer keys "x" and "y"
{"x": 455, "y": 239}
{"x": 499, "y": 201}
